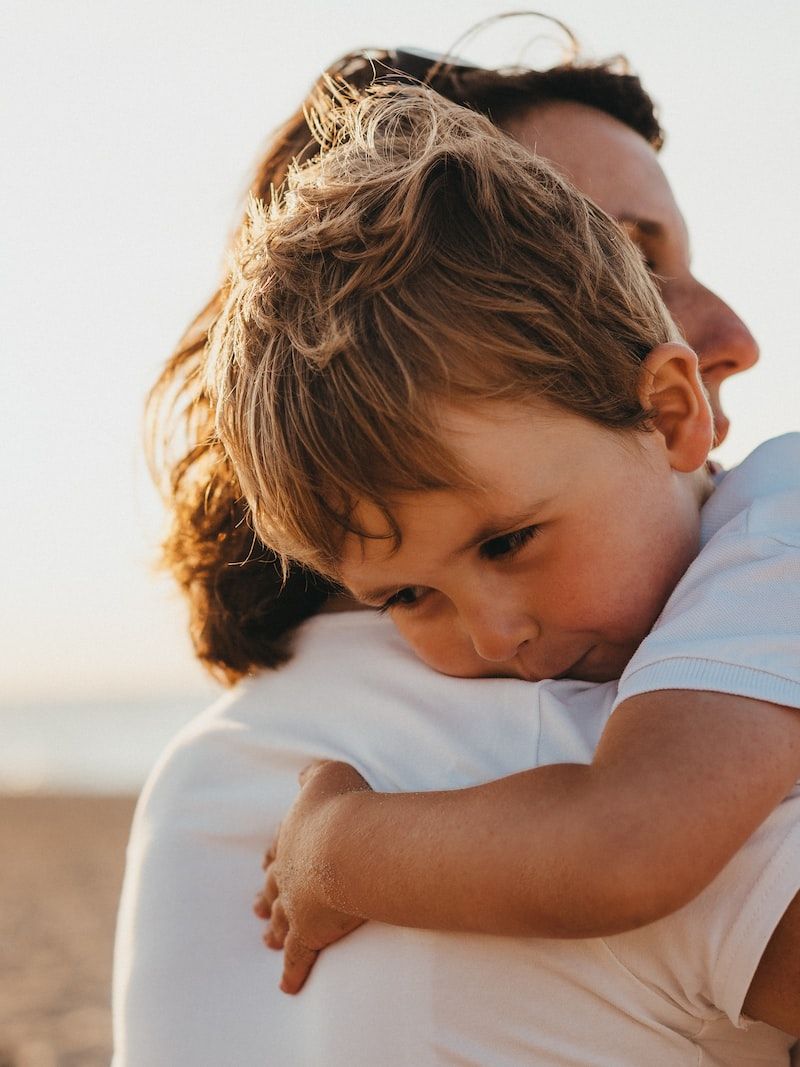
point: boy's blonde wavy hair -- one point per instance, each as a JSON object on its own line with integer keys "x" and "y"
{"x": 423, "y": 258}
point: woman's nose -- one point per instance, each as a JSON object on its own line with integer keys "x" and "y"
{"x": 724, "y": 345}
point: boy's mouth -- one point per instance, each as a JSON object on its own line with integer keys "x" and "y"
{"x": 578, "y": 670}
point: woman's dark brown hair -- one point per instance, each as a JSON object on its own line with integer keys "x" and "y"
{"x": 242, "y": 609}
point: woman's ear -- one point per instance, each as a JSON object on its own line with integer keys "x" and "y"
{"x": 672, "y": 389}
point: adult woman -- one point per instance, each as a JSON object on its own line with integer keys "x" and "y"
{"x": 674, "y": 993}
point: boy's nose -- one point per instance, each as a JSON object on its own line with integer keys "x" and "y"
{"x": 497, "y": 635}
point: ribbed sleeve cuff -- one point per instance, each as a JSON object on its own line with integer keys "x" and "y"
{"x": 713, "y": 676}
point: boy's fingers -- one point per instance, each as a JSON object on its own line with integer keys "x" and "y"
{"x": 270, "y": 891}
{"x": 261, "y": 906}
{"x": 309, "y": 769}
{"x": 298, "y": 959}
{"x": 271, "y": 853}
{"x": 266, "y": 897}
{"x": 278, "y": 929}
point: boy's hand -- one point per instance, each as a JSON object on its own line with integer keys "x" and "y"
{"x": 296, "y": 896}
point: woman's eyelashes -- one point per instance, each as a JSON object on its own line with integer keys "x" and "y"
{"x": 650, "y": 247}
{"x": 508, "y": 544}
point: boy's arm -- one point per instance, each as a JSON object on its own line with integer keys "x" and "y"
{"x": 679, "y": 781}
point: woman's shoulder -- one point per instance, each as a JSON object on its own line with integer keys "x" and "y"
{"x": 271, "y": 723}
{"x": 332, "y": 657}
{"x": 354, "y": 691}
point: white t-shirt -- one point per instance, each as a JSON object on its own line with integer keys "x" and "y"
{"x": 732, "y": 624}
{"x": 194, "y": 985}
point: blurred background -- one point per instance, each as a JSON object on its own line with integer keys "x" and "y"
{"x": 129, "y": 132}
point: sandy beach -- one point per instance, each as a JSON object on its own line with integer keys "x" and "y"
{"x": 62, "y": 861}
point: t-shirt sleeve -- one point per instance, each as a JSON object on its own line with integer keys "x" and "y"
{"x": 732, "y": 624}
{"x": 705, "y": 955}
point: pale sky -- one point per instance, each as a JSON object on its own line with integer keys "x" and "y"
{"x": 129, "y": 131}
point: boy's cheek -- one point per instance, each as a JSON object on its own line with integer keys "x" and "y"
{"x": 444, "y": 646}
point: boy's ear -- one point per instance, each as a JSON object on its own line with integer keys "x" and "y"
{"x": 672, "y": 389}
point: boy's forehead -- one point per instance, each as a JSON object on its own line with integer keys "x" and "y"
{"x": 467, "y": 516}
{"x": 474, "y": 419}
{"x": 516, "y": 458}
{"x": 504, "y": 445}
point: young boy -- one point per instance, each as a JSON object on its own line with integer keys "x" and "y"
{"x": 446, "y": 380}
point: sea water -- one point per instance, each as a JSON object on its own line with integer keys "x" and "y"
{"x": 89, "y": 747}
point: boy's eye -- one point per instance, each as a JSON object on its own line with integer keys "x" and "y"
{"x": 404, "y": 598}
{"x": 508, "y": 544}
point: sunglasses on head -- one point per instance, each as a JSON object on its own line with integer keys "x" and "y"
{"x": 423, "y": 66}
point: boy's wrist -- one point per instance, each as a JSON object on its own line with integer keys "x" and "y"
{"x": 339, "y": 836}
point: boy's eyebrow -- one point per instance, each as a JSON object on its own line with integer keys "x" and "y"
{"x": 502, "y": 524}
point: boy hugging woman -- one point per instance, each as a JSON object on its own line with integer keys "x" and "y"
{"x": 447, "y": 382}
